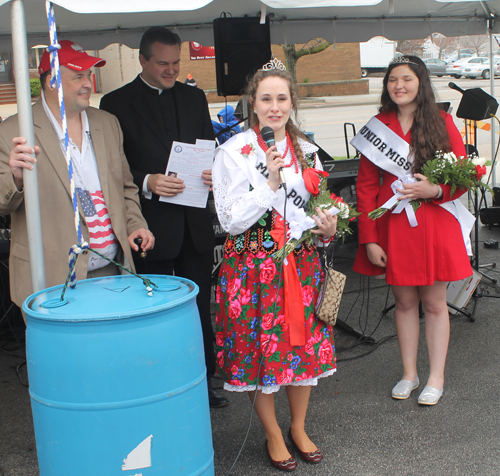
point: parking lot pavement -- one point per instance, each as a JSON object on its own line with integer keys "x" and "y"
{"x": 361, "y": 430}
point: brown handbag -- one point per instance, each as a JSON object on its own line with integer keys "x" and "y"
{"x": 328, "y": 303}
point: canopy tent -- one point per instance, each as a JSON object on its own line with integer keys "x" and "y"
{"x": 95, "y": 23}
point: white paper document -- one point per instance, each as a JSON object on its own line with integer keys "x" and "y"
{"x": 187, "y": 162}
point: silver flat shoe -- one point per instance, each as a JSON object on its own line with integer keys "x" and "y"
{"x": 403, "y": 389}
{"x": 430, "y": 396}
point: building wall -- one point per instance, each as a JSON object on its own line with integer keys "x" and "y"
{"x": 203, "y": 71}
{"x": 347, "y": 87}
{"x": 333, "y": 64}
{"x": 341, "y": 63}
{"x": 122, "y": 66}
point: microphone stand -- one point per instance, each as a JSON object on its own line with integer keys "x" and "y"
{"x": 228, "y": 128}
{"x": 474, "y": 197}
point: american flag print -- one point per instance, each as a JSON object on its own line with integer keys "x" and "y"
{"x": 97, "y": 217}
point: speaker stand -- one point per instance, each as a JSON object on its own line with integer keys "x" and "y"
{"x": 473, "y": 196}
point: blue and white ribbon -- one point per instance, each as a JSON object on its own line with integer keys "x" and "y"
{"x": 56, "y": 81}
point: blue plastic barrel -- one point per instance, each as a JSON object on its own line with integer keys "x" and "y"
{"x": 118, "y": 379}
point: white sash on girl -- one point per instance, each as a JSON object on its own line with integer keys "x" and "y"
{"x": 388, "y": 151}
{"x": 253, "y": 166}
{"x": 383, "y": 147}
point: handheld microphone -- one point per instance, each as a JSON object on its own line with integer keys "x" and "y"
{"x": 457, "y": 88}
{"x": 268, "y": 135}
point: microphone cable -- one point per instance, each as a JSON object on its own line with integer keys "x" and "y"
{"x": 263, "y": 351}
{"x": 364, "y": 338}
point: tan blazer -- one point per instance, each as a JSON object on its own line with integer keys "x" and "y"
{"x": 56, "y": 209}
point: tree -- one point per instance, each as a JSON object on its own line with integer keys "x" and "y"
{"x": 292, "y": 55}
{"x": 410, "y": 47}
{"x": 444, "y": 43}
{"x": 479, "y": 43}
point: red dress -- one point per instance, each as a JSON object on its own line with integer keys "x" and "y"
{"x": 432, "y": 251}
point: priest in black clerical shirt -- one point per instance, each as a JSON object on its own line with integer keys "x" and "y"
{"x": 154, "y": 110}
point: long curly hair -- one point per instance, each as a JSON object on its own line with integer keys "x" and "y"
{"x": 428, "y": 131}
{"x": 293, "y": 131}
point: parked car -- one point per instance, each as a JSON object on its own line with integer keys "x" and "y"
{"x": 455, "y": 69}
{"x": 463, "y": 54}
{"x": 496, "y": 68}
{"x": 436, "y": 67}
{"x": 480, "y": 70}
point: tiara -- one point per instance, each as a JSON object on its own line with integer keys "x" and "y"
{"x": 401, "y": 60}
{"x": 274, "y": 64}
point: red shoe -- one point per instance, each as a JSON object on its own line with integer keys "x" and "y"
{"x": 286, "y": 465}
{"x": 313, "y": 457}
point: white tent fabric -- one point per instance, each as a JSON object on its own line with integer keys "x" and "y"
{"x": 118, "y": 6}
{"x": 292, "y": 21}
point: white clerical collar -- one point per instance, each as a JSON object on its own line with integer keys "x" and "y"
{"x": 152, "y": 87}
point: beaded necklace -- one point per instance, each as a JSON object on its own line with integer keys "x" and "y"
{"x": 289, "y": 147}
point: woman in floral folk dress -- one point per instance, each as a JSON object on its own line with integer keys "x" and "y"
{"x": 267, "y": 334}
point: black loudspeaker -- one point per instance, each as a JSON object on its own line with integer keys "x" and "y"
{"x": 490, "y": 216}
{"x": 242, "y": 46}
{"x": 476, "y": 105}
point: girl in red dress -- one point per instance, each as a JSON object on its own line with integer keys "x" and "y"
{"x": 255, "y": 346}
{"x": 418, "y": 262}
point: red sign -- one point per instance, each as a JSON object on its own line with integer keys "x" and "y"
{"x": 199, "y": 52}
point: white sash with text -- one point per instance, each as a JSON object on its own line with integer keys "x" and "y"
{"x": 253, "y": 166}
{"x": 383, "y": 147}
{"x": 388, "y": 151}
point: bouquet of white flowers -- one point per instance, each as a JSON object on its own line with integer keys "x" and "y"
{"x": 447, "y": 169}
{"x": 302, "y": 223}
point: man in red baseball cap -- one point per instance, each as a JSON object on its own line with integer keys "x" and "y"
{"x": 72, "y": 56}
{"x": 109, "y": 203}
{"x": 76, "y": 76}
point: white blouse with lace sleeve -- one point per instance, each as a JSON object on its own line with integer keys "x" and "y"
{"x": 238, "y": 208}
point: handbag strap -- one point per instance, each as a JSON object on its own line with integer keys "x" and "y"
{"x": 326, "y": 262}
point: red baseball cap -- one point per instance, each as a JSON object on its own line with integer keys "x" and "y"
{"x": 72, "y": 56}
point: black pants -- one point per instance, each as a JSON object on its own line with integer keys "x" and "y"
{"x": 197, "y": 267}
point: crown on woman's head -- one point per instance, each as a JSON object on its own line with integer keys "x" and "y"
{"x": 401, "y": 60}
{"x": 275, "y": 63}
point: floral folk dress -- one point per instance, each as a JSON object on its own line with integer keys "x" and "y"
{"x": 250, "y": 318}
